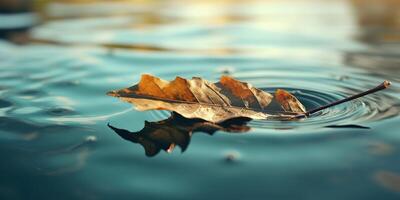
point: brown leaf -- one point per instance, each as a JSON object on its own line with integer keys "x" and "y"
{"x": 198, "y": 98}
{"x": 176, "y": 131}
{"x": 289, "y": 102}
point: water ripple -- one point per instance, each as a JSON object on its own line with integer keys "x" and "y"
{"x": 308, "y": 87}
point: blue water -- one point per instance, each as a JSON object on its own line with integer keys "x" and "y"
{"x": 54, "y": 139}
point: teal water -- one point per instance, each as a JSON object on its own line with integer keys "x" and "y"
{"x": 54, "y": 139}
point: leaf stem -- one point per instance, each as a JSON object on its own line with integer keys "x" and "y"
{"x": 382, "y": 86}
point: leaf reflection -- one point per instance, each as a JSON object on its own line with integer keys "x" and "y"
{"x": 177, "y": 131}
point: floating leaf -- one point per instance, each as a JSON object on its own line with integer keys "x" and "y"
{"x": 177, "y": 131}
{"x": 289, "y": 102}
{"x": 214, "y": 102}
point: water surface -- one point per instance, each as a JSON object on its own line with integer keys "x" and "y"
{"x": 54, "y": 138}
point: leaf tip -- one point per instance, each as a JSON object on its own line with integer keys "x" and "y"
{"x": 112, "y": 93}
{"x": 280, "y": 95}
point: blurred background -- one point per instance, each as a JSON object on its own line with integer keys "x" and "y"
{"x": 58, "y": 58}
{"x": 377, "y": 22}
{"x": 218, "y": 27}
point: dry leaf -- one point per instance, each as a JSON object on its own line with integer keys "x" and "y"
{"x": 177, "y": 131}
{"x": 289, "y": 102}
{"x": 214, "y": 102}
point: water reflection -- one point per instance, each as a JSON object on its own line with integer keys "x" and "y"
{"x": 348, "y": 126}
{"x": 177, "y": 131}
{"x": 378, "y": 20}
{"x": 379, "y": 28}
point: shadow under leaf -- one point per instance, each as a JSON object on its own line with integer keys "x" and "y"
{"x": 348, "y": 126}
{"x": 177, "y": 131}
